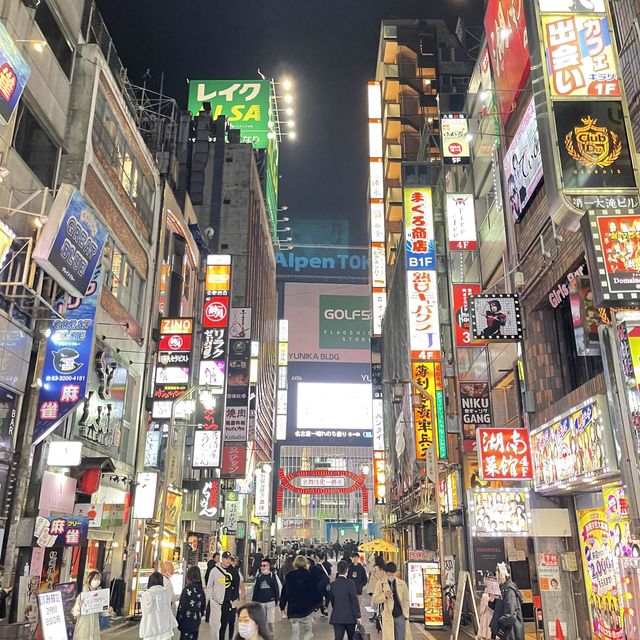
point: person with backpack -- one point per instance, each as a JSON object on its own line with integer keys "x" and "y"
{"x": 507, "y": 622}
{"x": 266, "y": 590}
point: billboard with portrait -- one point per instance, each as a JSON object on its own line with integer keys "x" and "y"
{"x": 499, "y": 512}
{"x": 329, "y": 404}
{"x": 573, "y": 447}
{"x": 593, "y": 144}
{"x": 523, "y": 163}
{"x": 328, "y": 322}
{"x": 495, "y": 317}
{"x": 613, "y": 241}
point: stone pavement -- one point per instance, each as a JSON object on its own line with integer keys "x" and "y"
{"x": 322, "y": 630}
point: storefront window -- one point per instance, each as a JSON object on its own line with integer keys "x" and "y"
{"x": 576, "y": 370}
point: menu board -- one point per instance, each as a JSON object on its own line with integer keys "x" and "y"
{"x": 432, "y": 594}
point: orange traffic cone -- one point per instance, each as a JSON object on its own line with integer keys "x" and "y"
{"x": 559, "y": 634}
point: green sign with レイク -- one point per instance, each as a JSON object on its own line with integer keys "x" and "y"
{"x": 245, "y": 103}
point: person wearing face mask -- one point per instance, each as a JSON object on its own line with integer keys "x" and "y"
{"x": 252, "y": 623}
{"x": 158, "y": 621}
{"x": 267, "y": 591}
{"x": 87, "y": 624}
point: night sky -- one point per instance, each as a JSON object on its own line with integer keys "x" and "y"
{"x": 327, "y": 47}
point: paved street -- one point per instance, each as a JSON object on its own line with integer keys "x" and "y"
{"x": 321, "y": 631}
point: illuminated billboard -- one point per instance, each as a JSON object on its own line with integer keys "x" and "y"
{"x": 328, "y": 323}
{"x": 581, "y": 60}
{"x": 329, "y": 404}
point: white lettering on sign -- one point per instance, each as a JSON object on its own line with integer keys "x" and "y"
{"x": 561, "y": 290}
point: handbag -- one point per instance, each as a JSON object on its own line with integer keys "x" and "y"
{"x": 377, "y": 618}
{"x": 361, "y": 633}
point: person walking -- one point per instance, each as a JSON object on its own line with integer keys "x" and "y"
{"x": 392, "y": 594}
{"x": 377, "y": 574}
{"x": 358, "y": 574}
{"x": 287, "y": 567}
{"x": 231, "y": 597}
{"x": 300, "y": 597}
{"x": 158, "y": 621}
{"x": 87, "y": 624}
{"x": 192, "y": 605}
{"x": 321, "y": 577}
{"x": 267, "y": 592}
{"x": 252, "y": 622}
{"x": 258, "y": 557}
{"x": 215, "y": 592}
{"x": 507, "y": 622}
{"x": 166, "y": 569}
{"x": 210, "y": 565}
{"x": 345, "y": 608}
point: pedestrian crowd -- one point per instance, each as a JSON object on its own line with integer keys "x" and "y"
{"x": 299, "y": 582}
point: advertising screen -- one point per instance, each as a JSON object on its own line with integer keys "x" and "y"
{"x": 523, "y": 163}
{"x": 350, "y": 406}
{"x": 330, "y": 404}
{"x": 328, "y": 322}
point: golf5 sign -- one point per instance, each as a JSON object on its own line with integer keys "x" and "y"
{"x": 245, "y": 103}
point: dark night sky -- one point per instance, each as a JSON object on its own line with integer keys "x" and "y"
{"x": 327, "y": 47}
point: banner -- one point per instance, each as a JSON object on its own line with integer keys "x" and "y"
{"x": 475, "y": 407}
{"x": 56, "y": 531}
{"x": 499, "y": 512}
{"x": 523, "y": 163}
{"x": 418, "y": 228}
{"x": 14, "y": 72}
{"x": 67, "y": 359}
{"x": 462, "y": 318}
{"x": 600, "y": 574}
{"x": 506, "y": 29}
{"x": 71, "y": 242}
{"x": 454, "y": 130}
{"x": 461, "y": 222}
{"x": 504, "y": 454}
{"x": 245, "y": 103}
{"x": 581, "y": 60}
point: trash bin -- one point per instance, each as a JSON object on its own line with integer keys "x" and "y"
{"x": 17, "y": 631}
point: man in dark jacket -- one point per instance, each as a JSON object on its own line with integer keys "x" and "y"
{"x": 507, "y": 622}
{"x": 320, "y": 575}
{"x": 357, "y": 573}
{"x": 345, "y": 609}
{"x": 266, "y": 591}
{"x": 300, "y": 597}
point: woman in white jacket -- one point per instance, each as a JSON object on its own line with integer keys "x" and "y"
{"x": 158, "y": 621}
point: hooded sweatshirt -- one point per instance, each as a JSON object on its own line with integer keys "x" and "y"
{"x": 158, "y": 621}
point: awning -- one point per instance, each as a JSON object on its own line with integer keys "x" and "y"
{"x": 104, "y": 463}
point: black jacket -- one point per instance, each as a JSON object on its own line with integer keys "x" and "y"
{"x": 191, "y": 607}
{"x": 328, "y": 566}
{"x": 266, "y": 588}
{"x": 507, "y": 622}
{"x": 344, "y": 602}
{"x": 319, "y": 575}
{"x": 358, "y": 574}
{"x": 300, "y": 594}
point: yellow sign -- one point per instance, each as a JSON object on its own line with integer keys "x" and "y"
{"x": 424, "y": 408}
{"x": 218, "y": 277}
{"x": 600, "y": 574}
